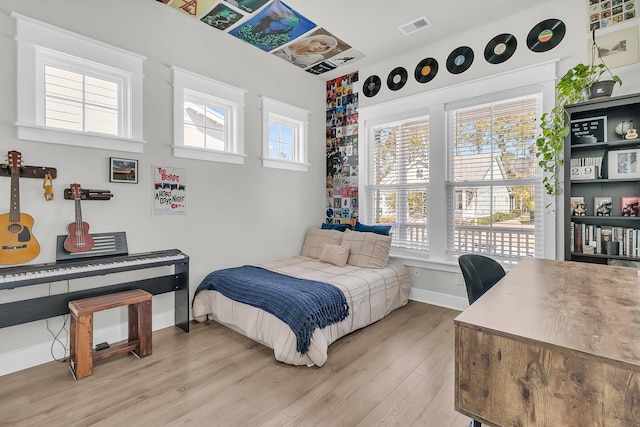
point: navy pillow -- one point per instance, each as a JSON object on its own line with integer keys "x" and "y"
{"x": 378, "y": 229}
{"x": 339, "y": 227}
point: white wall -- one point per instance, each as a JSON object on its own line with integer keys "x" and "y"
{"x": 236, "y": 214}
{"x": 442, "y": 283}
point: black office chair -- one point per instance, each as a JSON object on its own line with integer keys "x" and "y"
{"x": 480, "y": 274}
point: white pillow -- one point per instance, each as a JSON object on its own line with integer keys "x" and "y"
{"x": 369, "y": 250}
{"x": 315, "y": 240}
{"x": 334, "y": 254}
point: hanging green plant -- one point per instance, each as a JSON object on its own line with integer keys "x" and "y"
{"x": 576, "y": 86}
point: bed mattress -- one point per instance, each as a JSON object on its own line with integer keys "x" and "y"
{"x": 371, "y": 293}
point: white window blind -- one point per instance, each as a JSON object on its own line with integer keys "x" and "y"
{"x": 398, "y": 187}
{"x": 494, "y": 196}
{"x": 77, "y": 100}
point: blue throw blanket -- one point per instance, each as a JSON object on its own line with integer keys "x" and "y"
{"x": 302, "y": 304}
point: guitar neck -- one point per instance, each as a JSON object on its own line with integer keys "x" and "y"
{"x": 78, "y": 213}
{"x": 14, "y": 209}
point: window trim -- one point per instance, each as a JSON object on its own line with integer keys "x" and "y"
{"x": 38, "y": 42}
{"x": 273, "y": 110}
{"x": 212, "y": 91}
{"x": 543, "y": 75}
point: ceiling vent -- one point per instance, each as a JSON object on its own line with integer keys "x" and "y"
{"x": 413, "y": 26}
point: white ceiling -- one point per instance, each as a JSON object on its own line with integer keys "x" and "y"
{"x": 371, "y": 26}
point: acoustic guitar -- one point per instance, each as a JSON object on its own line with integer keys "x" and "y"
{"x": 17, "y": 243}
{"x": 79, "y": 239}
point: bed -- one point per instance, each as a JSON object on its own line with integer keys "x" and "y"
{"x": 357, "y": 263}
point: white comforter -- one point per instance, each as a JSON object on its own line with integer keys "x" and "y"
{"x": 371, "y": 295}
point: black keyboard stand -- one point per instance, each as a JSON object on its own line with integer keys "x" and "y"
{"x": 18, "y": 312}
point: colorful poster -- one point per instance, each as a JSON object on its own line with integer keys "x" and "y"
{"x": 248, "y": 6}
{"x": 603, "y": 13}
{"x": 272, "y": 27}
{"x": 193, "y": 7}
{"x": 169, "y": 191}
{"x": 222, "y": 17}
{"x": 313, "y": 48}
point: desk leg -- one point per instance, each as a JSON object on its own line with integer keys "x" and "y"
{"x": 182, "y": 297}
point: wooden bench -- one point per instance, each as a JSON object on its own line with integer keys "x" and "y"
{"x": 82, "y": 354}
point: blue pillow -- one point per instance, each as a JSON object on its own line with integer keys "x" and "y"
{"x": 378, "y": 229}
{"x": 339, "y": 227}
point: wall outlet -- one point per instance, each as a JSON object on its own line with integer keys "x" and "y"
{"x": 459, "y": 280}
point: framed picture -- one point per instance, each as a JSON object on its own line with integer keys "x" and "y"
{"x": 623, "y": 164}
{"x": 629, "y": 205}
{"x": 123, "y": 170}
{"x": 589, "y": 131}
{"x": 617, "y": 48}
{"x": 602, "y": 206}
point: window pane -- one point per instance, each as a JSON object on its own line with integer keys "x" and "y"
{"x": 204, "y": 126}
{"x": 281, "y": 141}
{"x": 286, "y": 152}
{"x": 194, "y": 136}
{"x": 497, "y": 221}
{"x": 286, "y": 134}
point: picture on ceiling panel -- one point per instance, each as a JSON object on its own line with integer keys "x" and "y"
{"x": 248, "y": 6}
{"x": 272, "y": 27}
{"x": 222, "y": 17}
{"x": 193, "y": 7}
{"x": 313, "y": 48}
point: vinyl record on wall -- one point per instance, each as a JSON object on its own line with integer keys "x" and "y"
{"x": 371, "y": 86}
{"x": 546, "y": 35}
{"x": 397, "y": 78}
{"x": 500, "y": 48}
{"x": 459, "y": 60}
{"x": 426, "y": 70}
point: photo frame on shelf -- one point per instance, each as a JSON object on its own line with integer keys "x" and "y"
{"x": 589, "y": 130}
{"x": 629, "y": 205}
{"x": 623, "y": 164}
{"x": 123, "y": 170}
{"x": 602, "y": 205}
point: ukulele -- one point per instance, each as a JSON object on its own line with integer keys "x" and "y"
{"x": 631, "y": 134}
{"x": 17, "y": 244}
{"x": 79, "y": 239}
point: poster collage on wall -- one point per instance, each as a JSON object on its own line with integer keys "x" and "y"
{"x": 273, "y": 27}
{"x": 342, "y": 151}
{"x": 604, "y": 13}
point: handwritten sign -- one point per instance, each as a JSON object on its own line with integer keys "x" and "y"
{"x": 169, "y": 191}
{"x": 589, "y": 131}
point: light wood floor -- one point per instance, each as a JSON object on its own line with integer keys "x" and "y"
{"x": 396, "y": 372}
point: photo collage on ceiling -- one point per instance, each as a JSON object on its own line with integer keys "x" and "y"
{"x": 273, "y": 27}
{"x": 342, "y": 151}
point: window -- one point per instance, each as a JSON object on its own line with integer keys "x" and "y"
{"x": 398, "y": 184}
{"x": 492, "y": 179}
{"x": 208, "y": 119}
{"x": 284, "y": 136}
{"x": 453, "y": 170}
{"x": 76, "y": 91}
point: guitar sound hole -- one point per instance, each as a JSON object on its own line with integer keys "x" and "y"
{"x": 14, "y": 228}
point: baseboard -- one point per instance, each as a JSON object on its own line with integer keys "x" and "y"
{"x": 440, "y": 299}
{"x": 27, "y": 357}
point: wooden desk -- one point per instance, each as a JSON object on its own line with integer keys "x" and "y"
{"x": 552, "y": 344}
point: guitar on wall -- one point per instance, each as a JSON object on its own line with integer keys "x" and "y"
{"x": 79, "y": 239}
{"x": 17, "y": 243}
